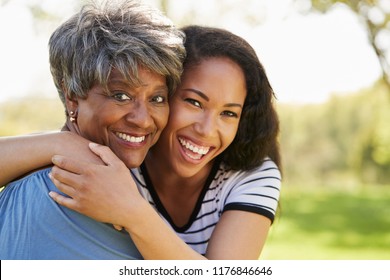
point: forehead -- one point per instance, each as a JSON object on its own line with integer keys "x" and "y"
{"x": 220, "y": 78}
{"x": 144, "y": 76}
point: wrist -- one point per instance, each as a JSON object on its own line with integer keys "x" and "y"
{"x": 140, "y": 214}
{"x": 60, "y": 140}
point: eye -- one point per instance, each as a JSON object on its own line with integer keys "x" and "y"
{"x": 120, "y": 96}
{"x": 193, "y": 102}
{"x": 159, "y": 99}
{"x": 230, "y": 114}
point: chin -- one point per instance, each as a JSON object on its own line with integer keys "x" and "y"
{"x": 186, "y": 172}
{"x": 132, "y": 162}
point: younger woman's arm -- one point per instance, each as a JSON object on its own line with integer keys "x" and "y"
{"x": 115, "y": 199}
{"x": 109, "y": 194}
{"x": 23, "y": 154}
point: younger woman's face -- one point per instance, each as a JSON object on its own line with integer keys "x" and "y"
{"x": 204, "y": 115}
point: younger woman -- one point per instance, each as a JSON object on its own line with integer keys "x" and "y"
{"x": 213, "y": 175}
{"x": 210, "y": 186}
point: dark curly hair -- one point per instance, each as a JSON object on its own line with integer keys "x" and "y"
{"x": 257, "y": 136}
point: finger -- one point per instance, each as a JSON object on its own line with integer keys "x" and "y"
{"x": 63, "y": 200}
{"x": 118, "y": 228}
{"x": 68, "y": 164}
{"x": 105, "y": 153}
{"x": 58, "y": 181}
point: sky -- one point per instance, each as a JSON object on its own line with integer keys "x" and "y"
{"x": 308, "y": 58}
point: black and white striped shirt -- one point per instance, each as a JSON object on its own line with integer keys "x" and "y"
{"x": 255, "y": 191}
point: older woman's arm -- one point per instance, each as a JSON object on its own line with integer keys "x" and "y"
{"x": 23, "y": 154}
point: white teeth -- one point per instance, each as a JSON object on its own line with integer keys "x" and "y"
{"x": 129, "y": 138}
{"x": 194, "y": 156}
{"x": 200, "y": 150}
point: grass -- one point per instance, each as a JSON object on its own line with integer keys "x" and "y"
{"x": 323, "y": 224}
{"x": 326, "y": 224}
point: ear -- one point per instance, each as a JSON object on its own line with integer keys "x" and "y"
{"x": 72, "y": 108}
{"x": 71, "y": 103}
{"x": 71, "y": 100}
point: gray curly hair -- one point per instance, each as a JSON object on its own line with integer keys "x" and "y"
{"x": 121, "y": 35}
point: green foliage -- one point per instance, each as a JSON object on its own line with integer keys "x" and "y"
{"x": 321, "y": 223}
{"x": 344, "y": 140}
{"x": 373, "y": 158}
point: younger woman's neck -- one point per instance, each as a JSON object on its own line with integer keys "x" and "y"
{"x": 178, "y": 195}
{"x": 163, "y": 178}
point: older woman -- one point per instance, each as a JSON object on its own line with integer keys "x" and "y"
{"x": 114, "y": 67}
{"x": 210, "y": 186}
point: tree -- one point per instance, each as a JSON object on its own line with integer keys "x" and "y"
{"x": 375, "y": 16}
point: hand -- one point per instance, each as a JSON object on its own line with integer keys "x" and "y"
{"x": 106, "y": 193}
{"x": 76, "y": 147}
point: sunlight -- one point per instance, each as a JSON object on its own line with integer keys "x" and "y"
{"x": 308, "y": 58}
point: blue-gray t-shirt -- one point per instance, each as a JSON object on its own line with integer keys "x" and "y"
{"x": 33, "y": 226}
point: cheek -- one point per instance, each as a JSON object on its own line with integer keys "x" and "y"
{"x": 161, "y": 117}
{"x": 90, "y": 128}
{"x": 176, "y": 116}
{"x": 229, "y": 133}
{"x": 93, "y": 123}
{"x": 182, "y": 120}
{"x": 173, "y": 125}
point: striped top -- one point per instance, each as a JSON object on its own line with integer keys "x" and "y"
{"x": 255, "y": 191}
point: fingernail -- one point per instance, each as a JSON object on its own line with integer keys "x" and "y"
{"x": 92, "y": 145}
{"x": 54, "y": 159}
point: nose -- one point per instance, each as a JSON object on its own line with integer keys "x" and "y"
{"x": 206, "y": 126}
{"x": 140, "y": 115}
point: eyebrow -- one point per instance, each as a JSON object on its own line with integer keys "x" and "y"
{"x": 120, "y": 82}
{"x": 201, "y": 94}
{"x": 204, "y": 96}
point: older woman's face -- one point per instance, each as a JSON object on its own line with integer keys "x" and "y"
{"x": 127, "y": 119}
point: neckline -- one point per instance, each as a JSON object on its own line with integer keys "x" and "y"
{"x": 160, "y": 207}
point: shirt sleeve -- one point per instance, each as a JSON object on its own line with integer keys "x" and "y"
{"x": 256, "y": 191}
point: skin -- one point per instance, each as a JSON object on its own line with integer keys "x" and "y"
{"x": 205, "y": 112}
{"x": 134, "y": 111}
{"x": 127, "y": 119}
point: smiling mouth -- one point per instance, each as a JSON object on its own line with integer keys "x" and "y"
{"x": 192, "y": 150}
{"x": 130, "y": 138}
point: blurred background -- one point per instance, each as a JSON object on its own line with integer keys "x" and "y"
{"x": 329, "y": 64}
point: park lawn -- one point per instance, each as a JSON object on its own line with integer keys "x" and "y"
{"x": 323, "y": 224}
{"x": 328, "y": 224}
